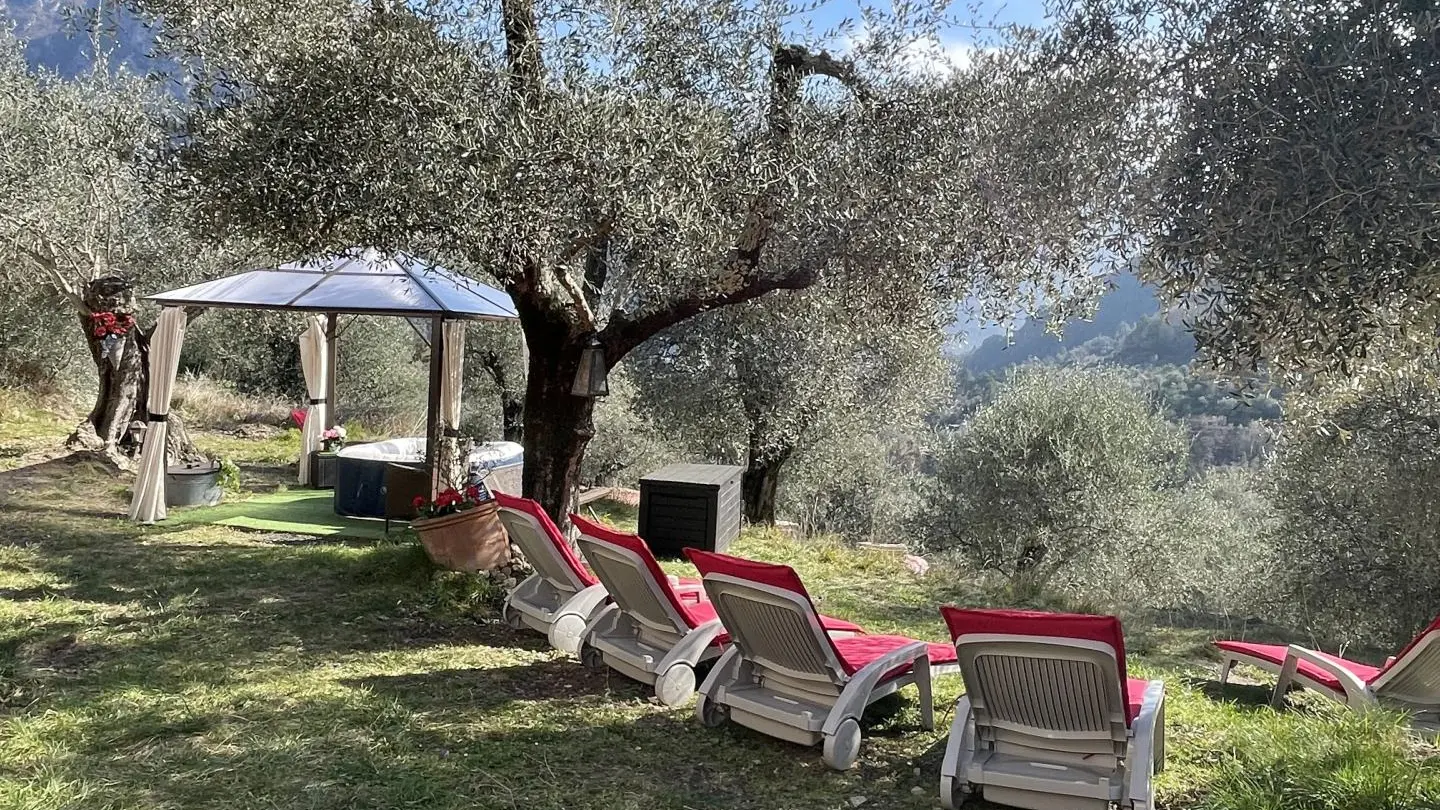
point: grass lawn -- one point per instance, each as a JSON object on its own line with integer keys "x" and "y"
{"x": 207, "y": 666}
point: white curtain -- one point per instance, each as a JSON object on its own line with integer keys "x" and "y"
{"x": 147, "y": 505}
{"x": 315, "y": 362}
{"x": 452, "y": 382}
{"x": 454, "y": 379}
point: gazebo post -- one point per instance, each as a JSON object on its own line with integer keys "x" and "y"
{"x": 330, "y": 356}
{"x": 433, "y": 434}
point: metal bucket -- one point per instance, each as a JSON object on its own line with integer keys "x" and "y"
{"x": 193, "y": 486}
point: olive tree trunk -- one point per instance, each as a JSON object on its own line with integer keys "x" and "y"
{"x": 556, "y": 424}
{"x": 115, "y": 425}
{"x": 760, "y": 482}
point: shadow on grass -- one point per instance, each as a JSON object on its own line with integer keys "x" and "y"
{"x": 1242, "y": 696}
{"x": 485, "y": 688}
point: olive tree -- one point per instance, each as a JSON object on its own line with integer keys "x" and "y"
{"x": 76, "y": 226}
{"x": 1043, "y": 476}
{"x": 1355, "y": 476}
{"x": 622, "y": 167}
{"x": 764, "y": 381}
{"x": 1294, "y": 191}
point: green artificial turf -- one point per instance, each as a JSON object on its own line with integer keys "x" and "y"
{"x": 295, "y": 511}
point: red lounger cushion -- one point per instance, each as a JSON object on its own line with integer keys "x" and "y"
{"x": 852, "y": 653}
{"x": 636, "y": 545}
{"x": 1039, "y": 623}
{"x": 856, "y": 653}
{"x": 1134, "y": 697}
{"x": 1275, "y": 654}
{"x": 533, "y": 509}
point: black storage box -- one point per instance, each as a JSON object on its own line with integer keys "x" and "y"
{"x": 690, "y": 506}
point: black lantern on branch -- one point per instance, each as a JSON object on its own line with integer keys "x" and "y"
{"x": 591, "y": 378}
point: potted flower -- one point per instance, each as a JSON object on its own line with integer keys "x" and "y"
{"x": 461, "y": 530}
{"x": 332, "y": 439}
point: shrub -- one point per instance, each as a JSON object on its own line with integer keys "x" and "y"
{"x": 1199, "y": 549}
{"x": 44, "y": 351}
{"x": 626, "y": 445}
{"x": 1042, "y": 478}
{"x": 858, "y": 488}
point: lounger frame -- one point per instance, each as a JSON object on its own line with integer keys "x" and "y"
{"x": 1410, "y": 683}
{"x": 553, "y": 601}
{"x": 1043, "y": 726}
{"x": 781, "y": 676}
{"x": 640, "y": 633}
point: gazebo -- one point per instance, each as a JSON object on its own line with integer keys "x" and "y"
{"x": 361, "y": 281}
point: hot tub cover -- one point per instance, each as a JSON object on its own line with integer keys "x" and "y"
{"x": 412, "y": 451}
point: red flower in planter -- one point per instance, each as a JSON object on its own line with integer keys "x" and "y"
{"x": 418, "y": 502}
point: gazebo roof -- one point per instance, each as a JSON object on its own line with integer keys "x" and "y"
{"x": 358, "y": 281}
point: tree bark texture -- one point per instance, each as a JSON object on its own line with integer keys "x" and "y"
{"x": 115, "y": 425}
{"x": 557, "y": 424}
{"x": 760, "y": 482}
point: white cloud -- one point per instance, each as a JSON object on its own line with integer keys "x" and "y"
{"x": 925, "y": 56}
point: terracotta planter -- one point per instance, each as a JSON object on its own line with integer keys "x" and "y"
{"x": 472, "y": 540}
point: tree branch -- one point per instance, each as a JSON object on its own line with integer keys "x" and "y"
{"x": 740, "y": 280}
{"x": 582, "y": 304}
{"x": 522, "y": 46}
{"x": 624, "y": 332}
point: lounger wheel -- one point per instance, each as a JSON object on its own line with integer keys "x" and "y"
{"x": 591, "y": 657}
{"x": 711, "y": 714}
{"x": 676, "y": 684}
{"x": 512, "y": 617}
{"x": 566, "y": 632}
{"x": 955, "y": 793}
{"x": 842, "y": 749}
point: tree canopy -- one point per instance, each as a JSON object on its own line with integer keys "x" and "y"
{"x": 621, "y": 167}
{"x": 1292, "y": 192}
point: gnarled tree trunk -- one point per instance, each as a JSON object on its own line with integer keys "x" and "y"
{"x": 557, "y": 424}
{"x": 115, "y": 425}
{"x": 760, "y": 482}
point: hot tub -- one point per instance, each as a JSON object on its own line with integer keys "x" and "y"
{"x": 360, "y": 471}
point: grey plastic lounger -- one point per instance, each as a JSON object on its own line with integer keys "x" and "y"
{"x": 785, "y": 676}
{"x": 1050, "y": 720}
{"x": 561, "y": 597}
{"x": 1408, "y": 682}
{"x": 650, "y": 632}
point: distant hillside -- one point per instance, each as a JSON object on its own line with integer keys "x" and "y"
{"x": 1126, "y": 305}
{"x": 57, "y": 39}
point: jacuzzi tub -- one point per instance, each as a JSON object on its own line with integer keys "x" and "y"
{"x": 360, "y": 471}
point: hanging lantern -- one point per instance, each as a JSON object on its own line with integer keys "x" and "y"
{"x": 591, "y": 378}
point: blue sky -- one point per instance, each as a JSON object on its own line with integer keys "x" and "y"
{"x": 997, "y": 12}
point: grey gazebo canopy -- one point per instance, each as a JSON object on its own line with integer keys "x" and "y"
{"x": 361, "y": 281}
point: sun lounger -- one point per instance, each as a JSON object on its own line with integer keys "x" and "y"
{"x": 1050, "y": 720}
{"x": 1409, "y": 681}
{"x": 785, "y": 676}
{"x": 650, "y": 632}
